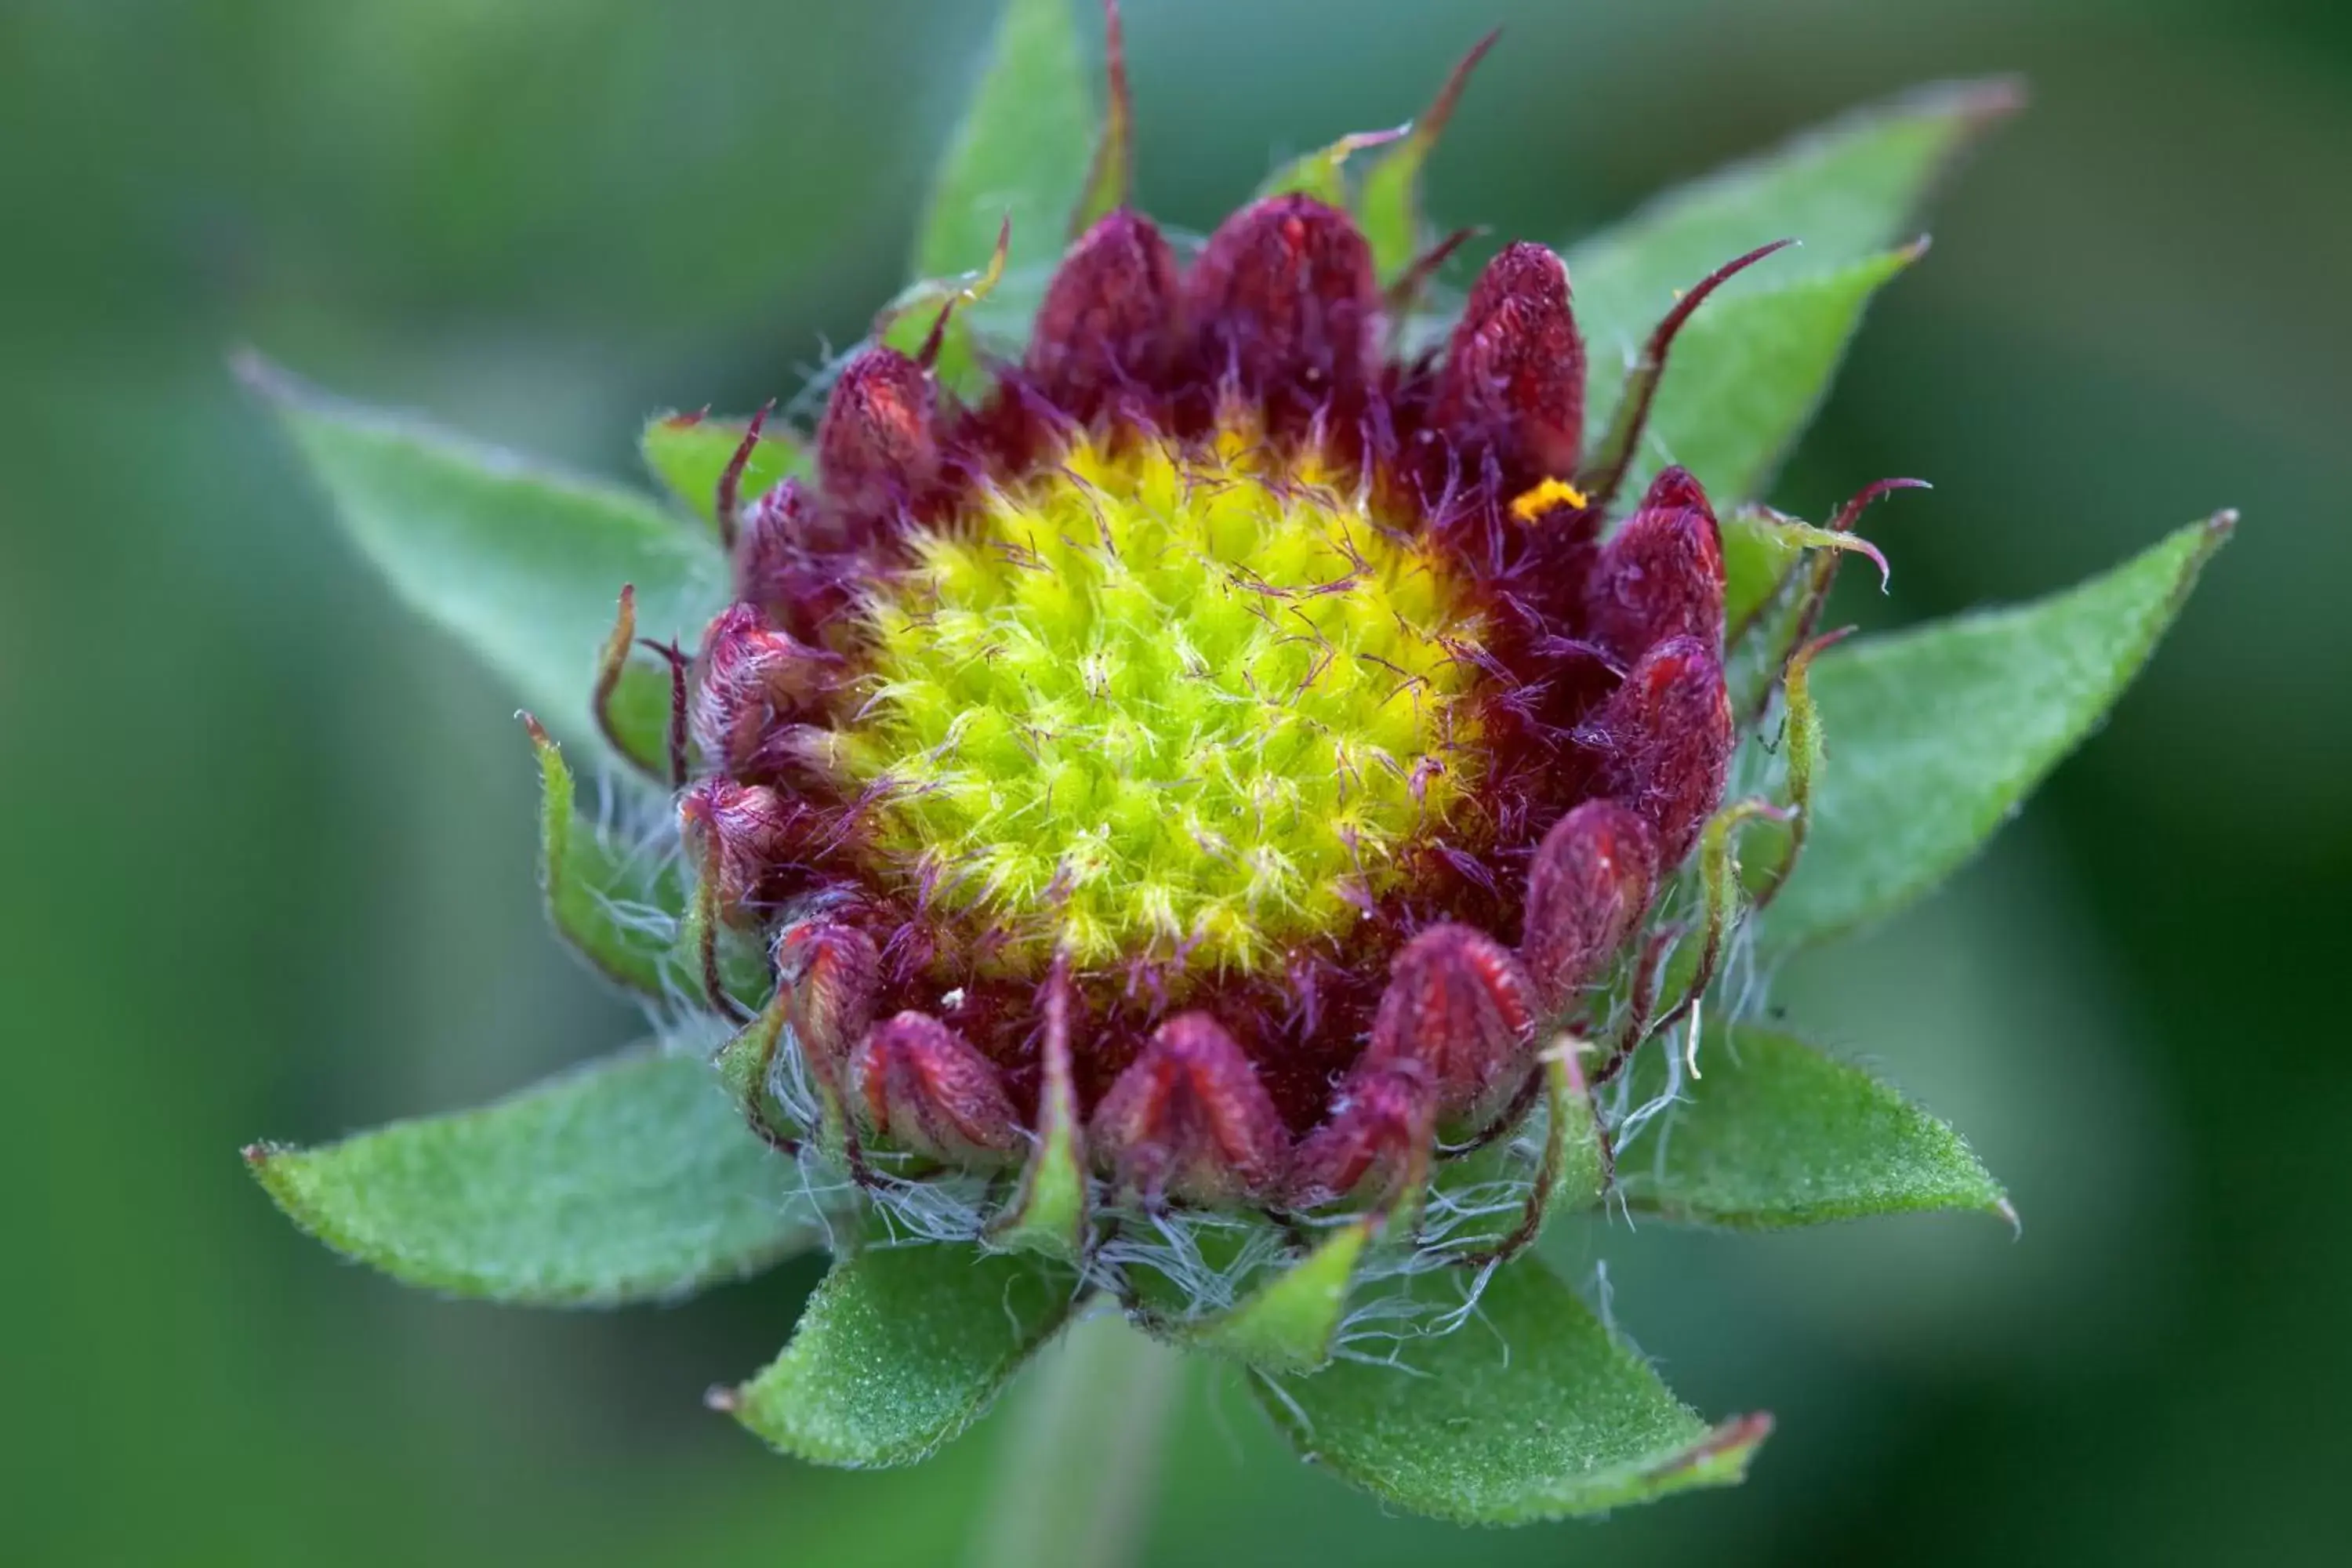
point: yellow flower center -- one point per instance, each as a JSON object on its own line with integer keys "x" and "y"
{"x": 1165, "y": 700}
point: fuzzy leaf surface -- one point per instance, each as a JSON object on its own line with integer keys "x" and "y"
{"x": 900, "y": 1349}
{"x": 1774, "y": 1133}
{"x": 520, "y": 564}
{"x": 1530, "y": 1410}
{"x": 689, "y": 455}
{"x": 1747, "y": 372}
{"x": 616, "y": 904}
{"x": 630, "y": 1179}
{"x": 1846, "y": 190}
{"x": 1936, "y": 736}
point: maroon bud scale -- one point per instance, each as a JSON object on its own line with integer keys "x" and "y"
{"x": 1666, "y": 735}
{"x": 750, "y": 683}
{"x": 1661, "y": 575}
{"x": 1286, "y": 301}
{"x": 1458, "y": 1005}
{"x": 1189, "y": 1120}
{"x": 922, "y": 1086}
{"x": 1587, "y": 891}
{"x": 1110, "y": 330}
{"x": 1515, "y": 368}
{"x": 1381, "y": 1131}
{"x": 833, "y": 972}
{"x": 878, "y": 446}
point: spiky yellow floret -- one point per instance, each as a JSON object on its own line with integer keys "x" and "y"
{"x": 1163, "y": 699}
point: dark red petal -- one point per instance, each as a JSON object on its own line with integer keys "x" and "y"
{"x": 834, "y": 973}
{"x": 1662, "y": 576}
{"x": 749, "y": 681}
{"x": 878, "y": 446}
{"x": 1285, "y": 295}
{"x": 921, "y": 1085}
{"x": 1189, "y": 1120}
{"x": 1664, "y": 742}
{"x": 1109, "y": 325}
{"x": 1587, "y": 889}
{"x": 1382, "y": 1128}
{"x": 1514, "y": 373}
{"x": 1458, "y": 1004}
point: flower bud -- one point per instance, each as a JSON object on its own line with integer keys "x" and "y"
{"x": 1664, "y": 736}
{"x": 1587, "y": 889}
{"x": 773, "y": 543}
{"x": 1286, "y": 297}
{"x": 1458, "y": 1004}
{"x": 802, "y": 564}
{"x": 1108, "y": 328}
{"x": 832, "y": 973}
{"x": 878, "y": 446}
{"x": 742, "y": 833}
{"x": 1189, "y": 1120}
{"x": 751, "y": 683}
{"x": 1662, "y": 576}
{"x": 919, "y": 1084}
{"x": 1515, "y": 368}
{"x": 1381, "y": 1130}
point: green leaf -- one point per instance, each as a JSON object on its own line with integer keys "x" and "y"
{"x": 1758, "y": 558}
{"x": 1323, "y": 174}
{"x": 630, "y": 1179}
{"x": 1847, "y": 190}
{"x": 1024, "y": 149}
{"x": 1050, "y": 1212}
{"x": 1388, "y": 204}
{"x": 617, "y": 905}
{"x": 1288, "y": 1324}
{"x": 689, "y": 453}
{"x": 1530, "y": 1410}
{"x": 1772, "y": 1133}
{"x": 1575, "y": 1170}
{"x": 1934, "y": 736}
{"x": 1746, "y": 372}
{"x": 900, "y": 1349}
{"x": 519, "y": 565}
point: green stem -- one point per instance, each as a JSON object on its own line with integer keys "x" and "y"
{"x": 1082, "y": 1456}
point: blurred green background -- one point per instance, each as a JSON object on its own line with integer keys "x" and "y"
{"x": 268, "y": 867}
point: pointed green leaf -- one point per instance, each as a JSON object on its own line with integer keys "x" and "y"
{"x": 1934, "y": 736}
{"x": 630, "y": 1179}
{"x": 1745, "y": 376}
{"x": 1323, "y": 174}
{"x": 1772, "y": 1133}
{"x": 1530, "y": 1410}
{"x": 745, "y": 1064}
{"x": 519, "y": 565}
{"x": 1847, "y": 190}
{"x": 1288, "y": 1324}
{"x": 1758, "y": 558}
{"x": 1757, "y": 561}
{"x": 1388, "y": 204}
{"x": 1048, "y": 1211}
{"x": 689, "y": 453}
{"x": 1051, "y": 1212}
{"x": 1023, "y": 151}
{"x": 617, "y": 905}
{"x": 900, "y": 1349}
{"x": 1575, "y": 1162}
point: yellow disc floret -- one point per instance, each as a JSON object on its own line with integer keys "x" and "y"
{"x": 1164, "y": 701}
